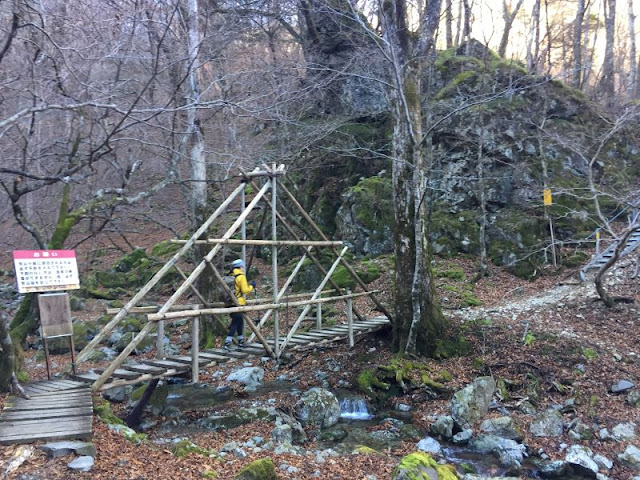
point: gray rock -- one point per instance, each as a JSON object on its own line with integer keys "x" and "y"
{"x": 508, "y": 451}
{"x": 118, "y": 394}
{"x": 282, "y": 434}
{"x": 472, "y": 402}
{"x": 630, "y": 457}
{"x": 471, "y": 476}
{"x": 624, "y": 431}
{"x": 603, "y": 462}
{"x": 503, "y": 427}
{"x": 60, "y": 449}
{"x": 442, "y": 427}
{"x": 430, "y": 445}
{"x": 463, "y": 437}
{"x": 241, "y": 416}
{"x": 622, "y": 386}
{"x": 319, "y": 407}
{"x": 82, "y": 464}
{"x": 547, "y": 424}
{"x": 580, "y": 458}
{"x": 634, "y": 398}
{"x": 249, "y": 376}
{"x": 552, "y": 468}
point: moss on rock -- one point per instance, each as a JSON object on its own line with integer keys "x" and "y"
{"x": 262, "y": 469}
{"x": 421, "y": 466}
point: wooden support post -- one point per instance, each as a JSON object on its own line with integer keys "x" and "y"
{"x": 195, "y": 348}
{"x": 318, "y": 316}
{"x": 160, "y": 341}
{"x": 274, "y": 267}
{"x": 350, "y": 318}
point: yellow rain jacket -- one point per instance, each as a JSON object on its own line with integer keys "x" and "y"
{"x": 242, "y": 286}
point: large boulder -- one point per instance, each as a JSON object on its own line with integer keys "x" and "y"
{"x": 510, "y": 452}
{"x": 472, "y": 402}
{"x": 318, "y": 406}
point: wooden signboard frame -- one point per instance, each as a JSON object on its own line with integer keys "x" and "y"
{"x": 55, "y": 322}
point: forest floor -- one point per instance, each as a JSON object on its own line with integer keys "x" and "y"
{"x": 552, "y": 332}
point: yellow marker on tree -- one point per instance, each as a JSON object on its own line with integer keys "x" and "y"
{"x": 546, "y": 194}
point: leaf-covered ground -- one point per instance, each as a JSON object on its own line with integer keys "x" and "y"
{"x": 551, "y": 341}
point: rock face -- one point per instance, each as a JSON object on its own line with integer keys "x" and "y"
{"x": 472, "y": 402}
{"x": 318, "y": 406}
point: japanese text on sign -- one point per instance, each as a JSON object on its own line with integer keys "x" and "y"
{"x": 46, "y": 270}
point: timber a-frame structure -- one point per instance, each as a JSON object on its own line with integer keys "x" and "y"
{"x": 266, "y": 186}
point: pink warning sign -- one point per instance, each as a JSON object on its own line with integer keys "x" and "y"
{"x": 46, "y": 270}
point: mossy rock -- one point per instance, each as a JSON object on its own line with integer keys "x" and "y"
{"x": 111, "y": 279}
{"x": 136, "y": 258}
{"x": 185, "y": 447}
{"x": 104, "y": 413}
{"x": 164, "y": 249}
{"x": 75, "y": 303}
{"x": 421, "y": 466}
{"x": 262, "y": 469}
{"x": 158, "y": 397}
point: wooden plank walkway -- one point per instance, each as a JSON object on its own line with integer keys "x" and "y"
{"x": 180, "y": 365}
{"x": 57, "y": 410}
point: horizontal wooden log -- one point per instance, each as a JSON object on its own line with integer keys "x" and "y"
{"x": 154, "y": 317}
{"x": 233, "y": 241}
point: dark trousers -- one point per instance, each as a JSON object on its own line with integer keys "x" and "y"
{"x": 237, "y": 324}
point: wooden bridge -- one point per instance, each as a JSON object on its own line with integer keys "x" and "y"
{"x": 181, "y": 365}
{"x": 57, "y": 410}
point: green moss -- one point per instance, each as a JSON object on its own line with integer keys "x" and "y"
{"x": 185, "y": 447}
{"x": 364, "y": 450}
{"x": 373, "y": 202}
{"x": 452, "y": 347}
{"x": 104, "y": 412}
{"x": 164, "y": 249}
{"x": 589, "y": 353}
{"x": 452, "y": 273}
{"x": 262, "y": 469}
{"x": 415, "y": 465}
{"x": 209, "y": 474}
{"x": 158, "y": 397}
{"x": 137, "y": 257}
{"x": 367, "y": 380}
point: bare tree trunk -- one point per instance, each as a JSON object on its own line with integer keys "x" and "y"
{"x": 533, "y": 44}
{"x": 418, "y": 319}
{"x": 622, "y": 242}
{"x": 577, "y": 46}
{"x": 509, "y": 16}
{"x": 632, "y": 90}
{"x": 448, "y": 15}
{"x": 482, "y": 197}
{"x": 466, "y": 33}
{"x": 607, "y": 81}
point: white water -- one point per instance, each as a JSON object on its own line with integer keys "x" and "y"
{"x": 353, "y": 408}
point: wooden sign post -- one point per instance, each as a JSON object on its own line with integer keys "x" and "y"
{"x": 46, "y": 271}
{"x": 55, "y": 322}
{"x": 548, "y": 201}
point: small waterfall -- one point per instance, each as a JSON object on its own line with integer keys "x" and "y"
{"x": 354, "y": 408}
